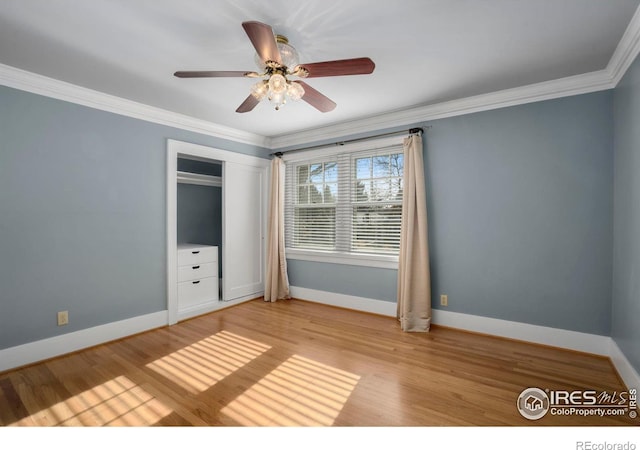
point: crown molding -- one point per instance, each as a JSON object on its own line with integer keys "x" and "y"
{"x": 563, "y": 87}
{"x": 626, "y": 51}
{"x": 38, "y": 84}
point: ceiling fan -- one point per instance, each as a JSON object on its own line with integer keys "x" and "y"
{"x": 278, "y": 61}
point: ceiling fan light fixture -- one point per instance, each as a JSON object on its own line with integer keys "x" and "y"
{"x": 278, "y": 99}
{"x": 295, "y": 91}
{"x": 260, "y": 89}
{"x": 288, "y": 54}
{"x": 277, "y": 83}
{"x": 277, "y": 89}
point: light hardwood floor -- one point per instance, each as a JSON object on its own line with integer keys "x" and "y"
{"x": 296, "y": 363}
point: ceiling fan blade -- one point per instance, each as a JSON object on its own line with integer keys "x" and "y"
{"x": 213, "y": 74}
{"x": 249, "y": 103}
{"x": 263, "y": 39}
{"x": 316, "y": 99}
{"x": 355, "y": 66}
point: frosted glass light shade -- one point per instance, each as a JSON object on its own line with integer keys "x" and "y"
{"x": 288, "y": 55}
{"x": 260, "y": 89}
{"x": 295, "y": 91}
{"x": 277, "y": 83}
{"x": 277, "y": 99}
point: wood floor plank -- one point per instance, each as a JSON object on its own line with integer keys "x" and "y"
{"x": 296, "y": 363}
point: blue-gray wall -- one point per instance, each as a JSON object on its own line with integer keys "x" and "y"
{"x": 625, "y": 328}
{"x": 520, "y": 202}
{"x": 199, "y": 214}
{"x": 360, "y": 281}
{"x": 520, "y": 213}
{"x": 82, "y": 215}
{"x": 520, "y": 217}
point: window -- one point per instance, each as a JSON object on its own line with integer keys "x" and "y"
{"x": 377, "y": 203}
{"x": 347, "y": 206}
{"x": 314, "y": 223}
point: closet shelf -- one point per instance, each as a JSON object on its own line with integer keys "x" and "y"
{"x": 199, "y": 179}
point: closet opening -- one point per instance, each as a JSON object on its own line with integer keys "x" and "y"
{"x": 215, "y": 229}
{"x": 200, "y": 204}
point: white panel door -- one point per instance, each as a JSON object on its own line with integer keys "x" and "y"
{"x": 243, "y": 230}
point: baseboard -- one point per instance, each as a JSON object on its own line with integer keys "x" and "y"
{"x": 626, "y": 371}
{"x": 573, "y": 340}
{"x": 32, "y": 352}
{"x": 344, "y": 301}
{"x": 555, "y": 337}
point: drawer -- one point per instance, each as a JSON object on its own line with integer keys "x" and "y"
{"x": 196, "y": 292}
{"x": 187, "y": 273}
{"x": 197, "y": 254}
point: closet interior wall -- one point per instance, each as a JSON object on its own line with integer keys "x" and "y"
{"x": 199, "y": 206}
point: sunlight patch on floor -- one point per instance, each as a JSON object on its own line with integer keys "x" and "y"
{"x": 117, "y": 402}
{"x": 202, "y": 364}
{"x": 299, "y": 392}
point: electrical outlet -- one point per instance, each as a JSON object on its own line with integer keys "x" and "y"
{"x": 63, "y": 318}
{"x": 444, "y": 300}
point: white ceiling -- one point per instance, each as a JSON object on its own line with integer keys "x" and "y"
{"x": 425, "y": 51}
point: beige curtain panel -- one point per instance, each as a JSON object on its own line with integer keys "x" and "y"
{"x": 414, "y": 282}
{"x": 277, "y": 281}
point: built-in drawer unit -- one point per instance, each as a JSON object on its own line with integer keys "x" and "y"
{"x": 197, "y": 271}
{"x": 189, "y": 254}
{"x": 197, "y": 278}
{"x": 197, "y": 292}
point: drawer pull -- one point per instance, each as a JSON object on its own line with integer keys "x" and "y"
{"x": 196, "y": 282}
{"x": 196, "y": 252}
{"x": 195, "y": 267}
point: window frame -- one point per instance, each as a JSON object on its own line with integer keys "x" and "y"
{"x": 389, "y": 261}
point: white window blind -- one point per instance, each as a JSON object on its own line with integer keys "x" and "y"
{"x": 376, "y": 200}
{"x": 347, "y": 203}
{"x": 315, "y": 199}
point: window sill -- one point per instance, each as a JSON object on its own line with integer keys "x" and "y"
{"x": 353, "y": 259}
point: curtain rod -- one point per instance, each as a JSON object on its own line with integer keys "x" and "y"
{"x": 393, "y": 133}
